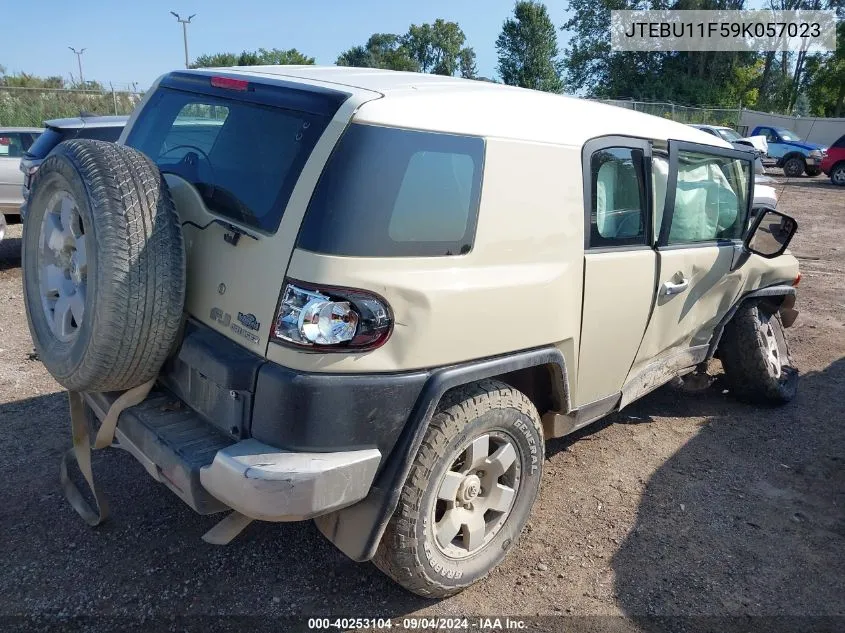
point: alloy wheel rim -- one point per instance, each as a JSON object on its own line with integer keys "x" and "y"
{"x": 839, "y": 176}
{"x": 476, "y": 495}
{"x": 63, "y": 266}
{"x": 773, "y": 355}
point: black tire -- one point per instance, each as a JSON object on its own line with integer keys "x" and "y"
{"x": 837, "y": 175}
{"x": 812, "y": 172}
{"x": 748, "y": 363}
{"x": 794, "y": 167}
{"x": 135, "y": 262}
{"x": 409, "y": 552}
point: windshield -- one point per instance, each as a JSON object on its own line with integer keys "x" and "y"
{"x": 786, "y": 135}
{"x": 728, "y": 134}
{"x": 244, "y": 158}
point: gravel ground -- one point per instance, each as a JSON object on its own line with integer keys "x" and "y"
{"x": 683, "y": 505}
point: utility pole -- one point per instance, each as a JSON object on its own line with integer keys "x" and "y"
{"x": 78, "y": 54}
{"x": 184, "y": 24}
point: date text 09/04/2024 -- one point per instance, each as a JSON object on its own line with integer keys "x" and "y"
{"x": 420, "y": 624}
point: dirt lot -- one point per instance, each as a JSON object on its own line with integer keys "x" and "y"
{"x": 683, "y": 505}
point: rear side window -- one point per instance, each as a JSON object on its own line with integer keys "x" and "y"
{"x": 388, "y": 192}
{"x": 618, "y": 216}
{"x": 244, "y": 158}
{"x": 110, "y": 134}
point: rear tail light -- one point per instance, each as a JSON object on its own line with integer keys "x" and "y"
{"x": 331, "y": 319}
{"x": 797, "y": 279}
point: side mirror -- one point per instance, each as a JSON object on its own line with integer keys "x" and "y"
{"x": 770, "y": 234}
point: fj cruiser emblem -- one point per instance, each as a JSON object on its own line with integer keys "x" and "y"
{"x": 222, "y": 318}
{"x": 249, "y": 320}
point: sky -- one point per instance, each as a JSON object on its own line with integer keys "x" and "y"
{"x": 138, "y": 41}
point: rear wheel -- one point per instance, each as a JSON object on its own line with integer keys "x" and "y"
{"x": 756, "y": 358}
{"x": 469, "y": 492}
{"x": 837, "y": 175}
{"x": 813, "y": 171}
{"x": 794, "y": 167}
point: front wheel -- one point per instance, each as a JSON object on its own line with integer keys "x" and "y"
{"x": 794, "y": 167}
{"x": 469, "y": 492}
{"x": 755, "y": 356}
{"x": 837, "y": 175}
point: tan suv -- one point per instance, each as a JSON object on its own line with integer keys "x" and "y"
{"x": 369, "y": 297}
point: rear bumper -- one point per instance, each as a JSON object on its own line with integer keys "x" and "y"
{"x": 264, "y": 483}
{"x": 211, "y": 473}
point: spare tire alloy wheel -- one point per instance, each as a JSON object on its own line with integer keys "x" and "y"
{"x": 62, "y": 266}
{"x": 793, "y": 167}
{"x": 103, "y": 266}
{"x": 469, "y": 492}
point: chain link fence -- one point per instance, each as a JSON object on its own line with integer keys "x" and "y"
{"x": 32, "y": 106}
{"x": 729, "y": 117}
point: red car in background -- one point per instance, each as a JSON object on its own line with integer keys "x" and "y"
{"x": 834, "y": 163}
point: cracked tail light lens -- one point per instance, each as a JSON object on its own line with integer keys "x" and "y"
{"x": 331, "y": 319}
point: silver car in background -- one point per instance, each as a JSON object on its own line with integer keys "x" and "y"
{"x": 14, "y": 143}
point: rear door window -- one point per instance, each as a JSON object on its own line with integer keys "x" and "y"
{"x": 389, "y": 192}
{"x": 244, "y": 158}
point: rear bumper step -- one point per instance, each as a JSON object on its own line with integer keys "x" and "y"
{"x": 211, "y": 472}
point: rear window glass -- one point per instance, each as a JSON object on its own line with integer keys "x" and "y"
{"x": 243, "y": 158}
{"x": 47, "y": 141}
{"x": 840, "y": 144}
{"x": 387, "y": 192}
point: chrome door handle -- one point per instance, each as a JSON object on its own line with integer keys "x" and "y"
{"x": 672, "y": 288}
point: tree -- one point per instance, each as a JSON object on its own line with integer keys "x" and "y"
{"x": 527, "y": 49}
{"x": 826, "y": 79}
{"x": 694, "y": 77}
{"x": 382, "y": 50}
{"x": 261, "y": 57}
{"x": 466, "y": 61}
{"x": 290, "y": 57}
{"x": 437, "y": 48}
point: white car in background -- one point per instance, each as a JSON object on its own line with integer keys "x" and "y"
{"x": 733, "y": 137}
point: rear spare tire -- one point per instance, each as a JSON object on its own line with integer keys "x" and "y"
{"x": 103, "y": 266}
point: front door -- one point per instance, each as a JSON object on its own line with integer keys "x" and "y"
{"x": 708, "y": 193}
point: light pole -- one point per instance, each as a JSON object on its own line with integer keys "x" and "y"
{"x": 78, "y": 54}
{"x": 185, "y": 24}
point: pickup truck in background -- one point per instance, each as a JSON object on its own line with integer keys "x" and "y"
{"x": 792, "y": 154}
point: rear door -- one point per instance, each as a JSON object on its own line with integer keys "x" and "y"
{"x": 619, "y": 265}
{"x": 242, "y": 157}
{"x": 707, "y": 200}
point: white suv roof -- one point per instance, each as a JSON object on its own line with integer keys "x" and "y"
{"x": 482, "y": 108}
